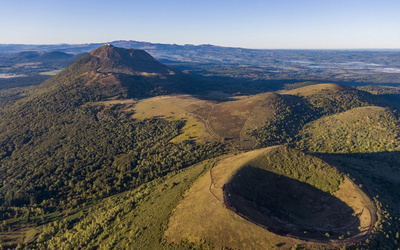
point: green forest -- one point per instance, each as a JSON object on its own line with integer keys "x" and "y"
{"x": 59, "y": 155}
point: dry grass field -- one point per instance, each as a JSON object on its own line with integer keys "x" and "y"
{"x": 174, "y": 107}
{"x": 25, "y": 235}
{"x": 178, "y": 107}
{"x": 312, "y": 89}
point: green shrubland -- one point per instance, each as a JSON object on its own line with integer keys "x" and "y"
{"x": 290, "y": 114}
{"x": 362, "y": 130}
{"x": 135, "y": 219}
{"x": 300, "y": 166}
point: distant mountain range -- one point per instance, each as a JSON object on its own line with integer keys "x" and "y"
{"x": 350, "y": 67}
{"x": 87, "y": 47}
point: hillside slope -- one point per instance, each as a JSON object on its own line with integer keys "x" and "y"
{"x": 228, "y": 122}
{"x": 295, "y": 108}
{"x": 59, "y": 155}
{"x": 359, "y": 130}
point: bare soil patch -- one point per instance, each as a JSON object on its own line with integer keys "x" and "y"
{"x": 233, "y": 120}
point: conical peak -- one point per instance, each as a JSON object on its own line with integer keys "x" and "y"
{"x": 109, "y": 51}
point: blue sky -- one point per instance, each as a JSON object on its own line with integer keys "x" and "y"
{"x": 278, "y": 24}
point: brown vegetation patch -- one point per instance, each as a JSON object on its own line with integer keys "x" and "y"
{"x": 25, "y": 236}
{"x": 233, "y": 120}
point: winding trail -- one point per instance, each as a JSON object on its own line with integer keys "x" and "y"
{"x": 211, "y": 183}
{"x": 208, "y": 125}
{"x": 350, "y": 240}
{"x": 206, "y": 122}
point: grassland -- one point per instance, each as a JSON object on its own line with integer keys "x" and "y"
{"x": 230, "y": 122}
{"x": 233, "y": 120}
{"x": 178, "y": 107}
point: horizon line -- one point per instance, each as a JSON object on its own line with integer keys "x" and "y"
{"x": 196, "y": 45}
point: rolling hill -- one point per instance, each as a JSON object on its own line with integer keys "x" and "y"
{"x": 120, "y": 151}
{"x": 359, "y": 130}
{"x": 229, "y": 122}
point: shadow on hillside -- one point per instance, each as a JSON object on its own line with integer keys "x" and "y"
{"x": 248, "y": 86}
{"x": 391, "y": 158}
{"x": 378, "y": 174}
{"x": 288, "y": 206}
{"x": 235, "y": 80}
{"x": 391, "y": 100}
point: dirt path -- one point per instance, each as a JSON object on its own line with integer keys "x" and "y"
{"x": 208, "y": 125}
{"x": 242, "y": 132}
{"x": 350, "y": 240}
{"x": 211, "y": 183}
{"x": 206, "y": 122}
{"x": 355, "y": 239}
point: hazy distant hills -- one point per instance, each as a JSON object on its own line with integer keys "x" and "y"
{"x": 30, "y": 56}
{"x": 44, "y": 57}
{"x": 260, "y": 67}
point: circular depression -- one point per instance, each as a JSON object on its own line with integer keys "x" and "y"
{"x": 289, "y": 207}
